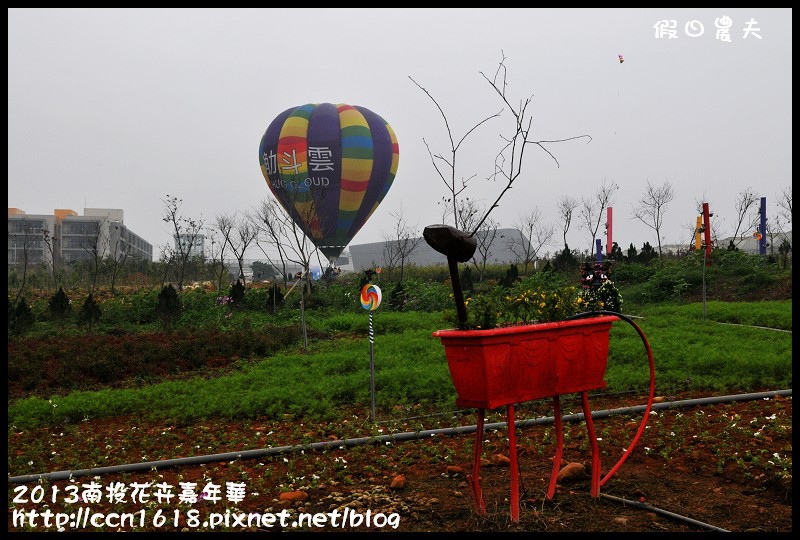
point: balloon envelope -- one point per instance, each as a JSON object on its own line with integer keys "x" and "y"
{"x": 329, "y": 166}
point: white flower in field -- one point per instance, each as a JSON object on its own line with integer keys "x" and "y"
{"x": 773, "y": 417}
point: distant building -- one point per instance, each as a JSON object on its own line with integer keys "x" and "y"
{"x": 100, "y": 232}
{"x": 26, "y": 234}
{"x": 501, "y": 251}
{"x": 195, "y": 246}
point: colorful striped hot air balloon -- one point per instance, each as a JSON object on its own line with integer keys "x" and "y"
{"x": 329, "y": 166}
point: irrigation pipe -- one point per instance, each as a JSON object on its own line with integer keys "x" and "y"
{"x": 396, "y": 437}
{"x": 645, "y": 506}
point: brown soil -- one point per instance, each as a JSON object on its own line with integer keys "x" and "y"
{"x": 694, "y": 469}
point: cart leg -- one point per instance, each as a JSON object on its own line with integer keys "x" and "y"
{"x": 587, "y": 414}
{"x": 474, "y": 478}
{"x": 512, "y": 442}
{"x": 551, "y": 489}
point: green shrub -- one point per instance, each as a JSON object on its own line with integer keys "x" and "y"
{"x": 237, "y": 293}
{"x": 397, "y": 298}
{"x": 168, "y": 308}
{"x": 59, "y": 305}
{"x": 274, "y": 297}
{"x": 20, "y": 317}
{"x": 89, "y": 313}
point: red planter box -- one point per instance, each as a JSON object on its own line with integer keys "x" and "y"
{"x": 503, "y": 366}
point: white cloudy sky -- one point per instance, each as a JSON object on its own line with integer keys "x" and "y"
{"x": 118, "y": 108}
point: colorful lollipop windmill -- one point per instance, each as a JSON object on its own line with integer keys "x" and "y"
{"x": 370, "y": 300}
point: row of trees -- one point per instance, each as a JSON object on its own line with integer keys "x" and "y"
{"x": 269, "y": 228}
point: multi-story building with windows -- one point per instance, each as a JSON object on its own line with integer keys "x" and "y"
{"x": 193, "y": 245}
{"x": 68, "y": 237}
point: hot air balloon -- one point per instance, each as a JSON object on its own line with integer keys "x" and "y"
{"x": 329, "y": 166}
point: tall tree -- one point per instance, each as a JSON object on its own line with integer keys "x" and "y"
{"x": 566, "y": 209}
{"x": 52, "y": 249}
{"x": 95, "y": 244}
{"x": 508, "y": 161}
{"x": 217, "y": 250}
{"x": 592, "y": 209}
{"x": 533, "y": 235}
{"x": 652, "y": 207}
{"x": 24, "y": 239}
{"x": 400, "y": 244}
{"x": 185, "y": 231}
{"x": 283, "y": 233}
{"x": 745, "y": 203}
{"x": 244, "y": 234}
{"x": 785, "y": 204}
{"x": 119, "y": 251}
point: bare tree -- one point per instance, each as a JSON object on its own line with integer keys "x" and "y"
{"x": 566, "y": 208}
{"x": 119, "y": 252}
{"x": 533, "y": 235}
{"x": 592, "y": 210}
{"x": 778, "y": 225}
{"x": 166, "y": 259}
{"x": 691, "y": 230}
{"x": 472, "y": 215}
{"x": 184, "y": 231}
{"x": 486, "y": 236}
{"x": 292, "y": 243}
{"x": 286, "y": 236}
{"x": 95, "y": 244}
{"x": 785, "y": 204}
{"x": 243, "y": 233}
{"x": 652, "y": 207}
{"x": 746, "y": 201}
{"x": 774, "y": 230}
{"x": 400, "y": 244}
{"x": 508, "y": 161}
{"x": 217, "y": 251}
{"x": 50, "y": 244}
{"x": 446, "y": 166}
{"x": 271, "y": 222}
{"x": 24, "y": 240}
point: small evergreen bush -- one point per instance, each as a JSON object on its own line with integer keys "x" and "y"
{"x": 59, "y": 305}
{"x": 20, "y": 317}
{"x": 168, "y": 308}
{"x": 89, "y": 313}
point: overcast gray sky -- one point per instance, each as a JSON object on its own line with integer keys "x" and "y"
{"x": 118, "y": 108}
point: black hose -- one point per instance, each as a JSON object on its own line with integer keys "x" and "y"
{"x": 645, "y": 506}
